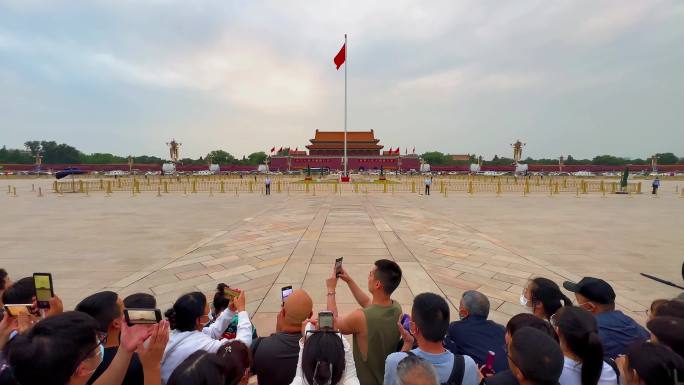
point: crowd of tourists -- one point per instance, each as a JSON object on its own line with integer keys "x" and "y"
{"x": 554, "y": 340}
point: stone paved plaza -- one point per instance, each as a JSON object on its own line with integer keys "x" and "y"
{"x": 175, "y": 244}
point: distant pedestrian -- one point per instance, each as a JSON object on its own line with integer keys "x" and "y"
{"x": 428, "y": 182}
{"x": 655, "y": 185}
{"x": 268, "y": 185}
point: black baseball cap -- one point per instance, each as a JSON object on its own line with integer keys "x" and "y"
{"x": 594, "y": 289}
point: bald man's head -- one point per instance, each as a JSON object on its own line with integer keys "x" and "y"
{"x": 298, "y": 307}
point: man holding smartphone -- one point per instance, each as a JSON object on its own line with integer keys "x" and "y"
{"x": 374, "y": 326}
{"x": 275, "y": 356}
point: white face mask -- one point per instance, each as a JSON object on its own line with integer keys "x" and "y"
{"x": 523, "y": 300}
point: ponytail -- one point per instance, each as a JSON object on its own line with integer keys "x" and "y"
{"x": 220, "y": 301}
{"x": 578, "y": 329}
{"x": 547, "y": 292}
{"x": 186, "y": 310}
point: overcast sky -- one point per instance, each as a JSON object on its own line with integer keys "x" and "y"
{"x": 125, "y": 76}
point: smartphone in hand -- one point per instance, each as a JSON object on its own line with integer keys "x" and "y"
{"x": 338, "y": 266}
{"x": 325, "y": 320}
{"x": 44, "y": 289}
{"x": 488, "y": 368}
{"x": 285, "y": 292}
{"x": 142, "y": 316}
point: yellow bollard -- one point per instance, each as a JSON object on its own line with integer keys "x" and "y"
{"x": 639, "y": 188}
{"x": 101, "y": 185}
{"x": 682, "y": 196}
{"x": 33, "y": 187}
{"x": 211, "y": 191}
{"x": 314, "y": 190}
{"x": 80, "y": 187}
{"x": 223, "y": 187}
{"x": 604, "y": 194}
{"x": 54, "y": 187}
{"x": 498, "y": 188}
{"x": 109, "y": 187}
{"x": 185, "y": 190}
{"x": 676, "y": 189}
{"x": 14, "y": 192}
{"x": 413, "y": 186}
{"x": 9, "y": 189}
{"x": 445, "y": 191}
{"x": 236, "y": 192}
{"x": 306, "y": 187}
{"x": 335, "y": 188}
{"x": 556, "y": 189}
{"x": 194, "y": 186}
{"x": 250, "y": 186}
{"x": 527, "y": 186}
{"x": 159, "y": 192}
{"x": 166, "y": 187}
{"x": 137, "y": 186}
{"x": 470, "y": 188}
{"x": 40, "y": 192}
{"x": 384, "y": 187}
{"x": 86, "y": 190}
{"x": 278, "y": 190}
{"x": 578, "y": 190}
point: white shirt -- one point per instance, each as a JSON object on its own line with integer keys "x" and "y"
{"x": 182, "y": 344}
{"x": 428, "y": 181}
{"x": 349, "y": 375}
{"x": 572, "y": 374}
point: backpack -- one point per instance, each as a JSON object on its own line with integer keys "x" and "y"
{"x": 613, "y": 365}
{"x": 457, "y": 370}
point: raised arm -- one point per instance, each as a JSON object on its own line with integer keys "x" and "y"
{"x": 359, "y": 295}
{"x": 132, "y": 337}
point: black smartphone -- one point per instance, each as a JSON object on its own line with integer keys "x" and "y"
{"x": 20, "y": 308}
{"x": 325, "y": 320}
{"x": 142, "y": 316}
{"x": 285, "y": 292}
{"x": 338, "y": 266}
{"x": 44, "y": 289}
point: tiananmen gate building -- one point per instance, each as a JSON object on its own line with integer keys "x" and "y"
{"x": 363, "y": 152}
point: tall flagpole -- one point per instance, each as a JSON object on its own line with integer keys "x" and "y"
{"x": 346, "y": 64}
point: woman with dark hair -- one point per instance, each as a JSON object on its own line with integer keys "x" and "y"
{"x": 517, "y": 322}
{"x": 649, "y": 363}
{"x": 199, "y": 368}
{"x": 581, "y": 346}
{"x": 218, "y": 306}
{"x": 543, "y": 297}
{"x": 325, "y": 358}
{"x": 188, "y": 334}
{"x": 238, "y": 358}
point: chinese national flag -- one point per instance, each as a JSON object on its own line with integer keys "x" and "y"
{"x": 341, "y": 56}
{"x": 280, "y": 149}
{"x": 272, "y": 149}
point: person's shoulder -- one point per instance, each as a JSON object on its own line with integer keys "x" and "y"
{"x": 469, "y": 362}
{"x": 394, "y": 358}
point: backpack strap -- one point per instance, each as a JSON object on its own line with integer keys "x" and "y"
{"x": 410, "y": 353}
{"x": 613, "y": 365}
{"x": 457, "y": 371}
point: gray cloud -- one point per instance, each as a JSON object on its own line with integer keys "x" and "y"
{"x": 576, "y": 77}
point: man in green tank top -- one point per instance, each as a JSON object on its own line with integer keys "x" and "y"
{"x": 374, "y": 326}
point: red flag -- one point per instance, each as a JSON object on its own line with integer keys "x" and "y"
{"x": 272, "y": 149}
{"x": 414, "y": 149}
{"x": 280, "y": 149}
{"x": 341, "y": 56}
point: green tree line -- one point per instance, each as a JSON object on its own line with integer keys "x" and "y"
{"x": 54, "y": 153}
{"x": 440, "y": 159}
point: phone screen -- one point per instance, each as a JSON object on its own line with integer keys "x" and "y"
{"x": 338, "y": 265}
{"x": 285, "y": 292}
{"x": 15, "y": 310}
{"x": 142, "y": 316}
{"x": 231, "y": 292}
{"x": 325, "y": 320}
{"x": 43, "y": 283}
